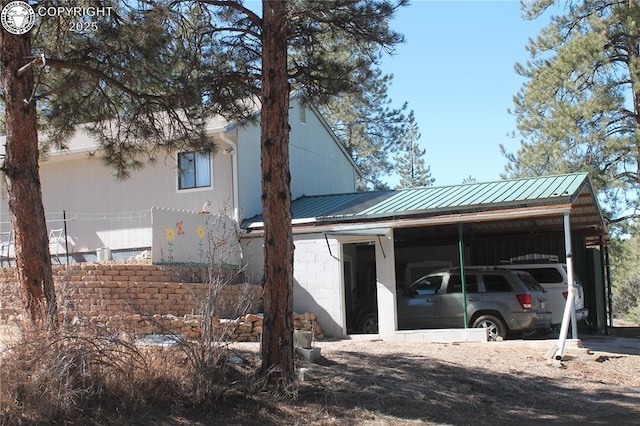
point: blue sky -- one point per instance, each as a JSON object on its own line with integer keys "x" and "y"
{"x": 456, "y": 71}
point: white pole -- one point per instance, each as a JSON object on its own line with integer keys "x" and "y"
{"x": 569, "y": 307}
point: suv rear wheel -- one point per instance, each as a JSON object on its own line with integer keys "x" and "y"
{"x": 497, "y": 328}
{"x": 369, "y": 323}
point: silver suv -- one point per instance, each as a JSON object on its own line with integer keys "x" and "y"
{"x": 503, "y": 301}
{"x": 552, "y": 276}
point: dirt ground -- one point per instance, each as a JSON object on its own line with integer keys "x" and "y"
{"x": 372, "y": 382}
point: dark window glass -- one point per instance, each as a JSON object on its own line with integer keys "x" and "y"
{"x": 529, "y": 281}
{"x": 496, "y": 284}
{"x": 427, "y": 285}
{"x": 545, "y": 275}
{"x": 455, "y": 283}
{"x": 194, "y": 170}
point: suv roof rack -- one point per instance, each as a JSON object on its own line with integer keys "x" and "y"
{"x": 531, "y": 259}
{"x": 528, "y": 262}
{"x": 478, "y": 268}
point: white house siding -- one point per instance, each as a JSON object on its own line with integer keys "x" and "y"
{"x": 318, "y": 164}
{"x": 249, "y": 171}
{"x": 103, "y": 211}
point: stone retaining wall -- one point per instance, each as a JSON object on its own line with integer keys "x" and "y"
{"x": 150, "y": 299}
{"x": 247, "y": 328}
{"x": 104, "y": 290}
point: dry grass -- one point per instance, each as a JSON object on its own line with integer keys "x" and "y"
{"x": 81, "y": 375}
{"x": 78, "y": 378}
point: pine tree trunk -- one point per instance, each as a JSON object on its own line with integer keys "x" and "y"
{"x": 22, "y": 178}
{"x": 277, "y": 337}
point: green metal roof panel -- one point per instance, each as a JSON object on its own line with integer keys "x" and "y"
{"x": 428, "y": 200}
{"x": 334, "y": 205}
{"x": 527, "y": 190}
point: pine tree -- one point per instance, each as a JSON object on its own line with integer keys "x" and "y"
{"x": 410, "y": 166}
{"x": 579, "y": 109}
{"x": 369, "y": 128}
{"x": 20, "y": 168}
{"x": 146, "y": 80}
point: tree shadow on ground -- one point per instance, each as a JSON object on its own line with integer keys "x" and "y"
{"x": 410, "y": 388}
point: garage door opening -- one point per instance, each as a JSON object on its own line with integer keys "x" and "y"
{"x": 361, "y": 299}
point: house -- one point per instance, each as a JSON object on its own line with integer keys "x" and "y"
{"x": 100, "y": 211}
{"x": 348, "y": 245}
{"x": 355, "y": 246}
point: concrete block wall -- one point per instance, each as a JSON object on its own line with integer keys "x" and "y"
{"x": 316, "y": 273}
{"x": 317, "y": 281}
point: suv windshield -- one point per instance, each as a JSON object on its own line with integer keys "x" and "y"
{"x": 529, "y": 281}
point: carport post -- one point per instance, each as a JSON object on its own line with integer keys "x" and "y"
{"x": 569, "y": 308}
{"x": 462, "y": 277}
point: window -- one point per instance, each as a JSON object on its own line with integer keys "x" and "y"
{"x": 455, "y": 284}
{"x": 194, "y": 170}
{"x": 545, "y": 275}
{"x": 529, "y": 281}
{"x": 496, "y": 284}
{"x": 426, "y": 286}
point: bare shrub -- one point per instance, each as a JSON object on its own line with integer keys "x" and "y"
{"x": 56, "y": 374}
{"x": 208, "y": 356}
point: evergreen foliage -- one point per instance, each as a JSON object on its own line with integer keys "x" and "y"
{"x": 190, "y": 60}
{"x": 625, "y": 271}
{"x": 579, "y": 109}
{"x": 369, "y": 128}
{"x": 410, "y": 164}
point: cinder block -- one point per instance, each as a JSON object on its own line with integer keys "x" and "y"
{"x": 302, "y": 339}
{"x": 309, "y": 354}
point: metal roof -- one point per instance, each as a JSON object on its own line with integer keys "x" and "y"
{"x": 569, "y": 190}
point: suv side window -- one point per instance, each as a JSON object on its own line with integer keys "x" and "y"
{"x": 496, "y": 284}
{"x": 426, "y": 286}
{"x": 455, "y": 283}
{"x": 529, "y": 281}
{"x": 545, "y": 275}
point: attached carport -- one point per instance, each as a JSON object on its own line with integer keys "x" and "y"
{"x": 469, "y": 224}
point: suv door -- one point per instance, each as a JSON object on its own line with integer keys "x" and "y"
{"x": 451, "y": 305}
{"x": 419, "y": 304}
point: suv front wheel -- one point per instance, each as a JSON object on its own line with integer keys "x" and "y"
{"x": 496, "y": 328}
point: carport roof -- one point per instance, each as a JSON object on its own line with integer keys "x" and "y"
{"x": 462, "y": 203}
